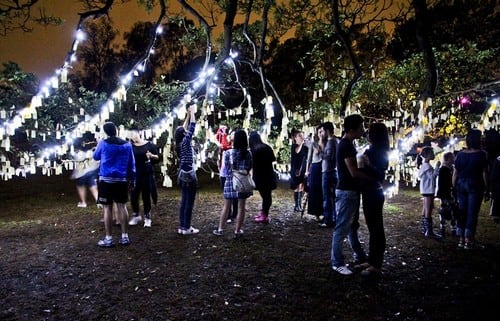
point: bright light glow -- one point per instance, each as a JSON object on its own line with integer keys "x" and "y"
{"x": 394, "y": 155}
{"x": 464, "y": 100}
{"x": 45, "y": 91}
{"x": 126, "y": 80}
{"x": 197, "y": 84}
{"x": 80, "y": 35}
{"x": 233, "y": 54}
{"x": 159, "y": 30}
{"x": 54, "y": 82}
{"x": 389, "y": 190}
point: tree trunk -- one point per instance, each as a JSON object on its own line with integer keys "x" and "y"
{"x": 423, "y": 26}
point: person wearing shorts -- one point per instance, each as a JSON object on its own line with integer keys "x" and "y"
{"x": 116, "y": 176}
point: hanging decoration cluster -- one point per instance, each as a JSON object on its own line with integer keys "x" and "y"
{"x": 404, "y": 138}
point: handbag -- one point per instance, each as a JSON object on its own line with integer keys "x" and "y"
{"x": 242, "y": 180}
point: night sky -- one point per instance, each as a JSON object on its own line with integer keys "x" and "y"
{"x": 44, "y": 50}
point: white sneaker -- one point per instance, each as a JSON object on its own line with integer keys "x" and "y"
{"x": 81, "y": 204}
{"x": 344, "y": 270}
{"x": 179, "y": 231}
{"x": 134, "y": 220}
{"x": 190, "y": 230}
{"x": 100, "y": 206}
{"x": 147, "y": 222}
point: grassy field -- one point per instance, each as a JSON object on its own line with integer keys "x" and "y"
{"x": 51, "y": 268}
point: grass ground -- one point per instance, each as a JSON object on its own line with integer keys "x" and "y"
{"x": 51, "y": 268}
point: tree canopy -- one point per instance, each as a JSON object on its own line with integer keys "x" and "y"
{"x": 282, "y": 65}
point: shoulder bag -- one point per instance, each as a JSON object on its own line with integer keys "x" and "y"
{"x": 242, "y": 180}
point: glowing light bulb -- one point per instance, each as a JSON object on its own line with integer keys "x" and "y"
{"x": 126, "y": 80}
{"x": 80, "y": 35}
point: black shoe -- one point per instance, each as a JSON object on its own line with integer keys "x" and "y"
{"x": 433, "y": 236}
{"x": 361, "y": 262}
{"x": 371, "y": 273}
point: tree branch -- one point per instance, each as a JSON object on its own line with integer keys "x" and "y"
{"x": 208, "y": 30}
{"x": 346, "y": 42}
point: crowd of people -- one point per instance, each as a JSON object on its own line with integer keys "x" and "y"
{"x": 461, "y": 182}
{"x": 337, "y": 177}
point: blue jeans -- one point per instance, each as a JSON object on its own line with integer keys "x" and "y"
{"x": 328, "y": 184}
{"x": 469, "y": 196}
{"x": 347, "y": 225}
{"x": 187, "y": 202}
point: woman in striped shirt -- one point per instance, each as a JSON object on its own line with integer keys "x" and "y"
{"x": 187, "y": 173}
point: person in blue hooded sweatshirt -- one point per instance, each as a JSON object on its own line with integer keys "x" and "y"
{"x": 116, "y": 176}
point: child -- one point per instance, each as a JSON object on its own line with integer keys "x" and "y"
{"x": 427, "y": 188}
{"x": 445, "y": 193}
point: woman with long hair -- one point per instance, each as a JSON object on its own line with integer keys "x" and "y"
{"x": 145, "y": 153}
{"x": 237, "y": 158}
{"x": 313, "y": 177}
{"x": 374, "y": 163}
{"x": 263, "y": 174}
{"x": 470, "y": 180}
{"x": 298, "y": 161}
